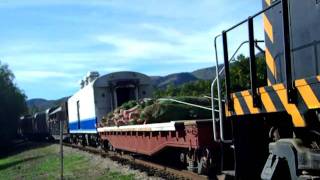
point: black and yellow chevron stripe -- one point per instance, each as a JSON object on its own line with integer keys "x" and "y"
{"x": 274, "y": 99}
{"x": 269, "y": 38}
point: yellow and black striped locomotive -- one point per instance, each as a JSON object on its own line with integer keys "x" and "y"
{"x": 275, "y": 128}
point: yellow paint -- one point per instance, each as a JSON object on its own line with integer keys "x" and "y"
{"x": 268, "y": 2}
{"x": 228, "y": 113}
{"x": 249, "y": 102}
{"x": 269, "y": 82}
{"x": 267, "y": 27}
{"x": 245, "y": 93}
{"x": 300, "y": 82}
{"x": 237, "y": 107}
{"x": 308, "y": 96}
{"x": 278, "y": 87}
{"x": 267, "y": 102}
{"x": 292, "y": 109}
{"x": 270, "y": 63}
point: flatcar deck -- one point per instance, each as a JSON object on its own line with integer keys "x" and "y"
{"x": 150, "y": 139}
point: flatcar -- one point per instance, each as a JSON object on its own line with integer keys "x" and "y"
{"x": 100, "y": 95}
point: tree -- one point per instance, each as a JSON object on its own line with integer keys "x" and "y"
{"x": 195, "y": 88}
{"x": 240, "y": 73}
{"x": 12, "y": 105}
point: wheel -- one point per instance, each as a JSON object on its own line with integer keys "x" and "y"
{"x": 202, "y": 166}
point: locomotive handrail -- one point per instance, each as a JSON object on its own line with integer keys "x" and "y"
{"x": 209, "y": 97}
{"x": 253, "y": 76}
{"x": 255, "y": 15}
{"x": 186, "y": 103}
{"x": 218, "y": 73}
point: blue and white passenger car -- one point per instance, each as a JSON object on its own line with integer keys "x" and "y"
{"x": 100, "y": 95}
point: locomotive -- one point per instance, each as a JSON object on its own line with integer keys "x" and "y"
{"x": 269, "y": 132}
{"x": 275, "y": 128}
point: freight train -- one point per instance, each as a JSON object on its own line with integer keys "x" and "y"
{"x": 269, "y": 132}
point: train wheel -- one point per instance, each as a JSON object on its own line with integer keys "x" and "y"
{"x": 190, "y": 157}
{"x": 204, "y": 162}
{"x": 104, "y": 145}
{"x": 111, "y": 148}
{"x": 202, "y": 167}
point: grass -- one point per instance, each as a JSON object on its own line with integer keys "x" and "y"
{"x": 44, "y": 163}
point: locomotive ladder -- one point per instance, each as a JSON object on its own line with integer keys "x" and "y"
{"x": 221, "y": 101}
{"x": 253, "y": 75}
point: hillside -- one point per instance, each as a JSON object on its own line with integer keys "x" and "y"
{"x": 38, "y": 104}
{"x": 181, "y": 78}
{"x": 205, "y": 73}
{"x": 175, "y": 79}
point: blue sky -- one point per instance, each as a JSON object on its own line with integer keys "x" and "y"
{"x": 50, "y": 45}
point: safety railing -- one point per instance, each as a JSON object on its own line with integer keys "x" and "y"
{"x": 253, "y": 74}
{"x": 217, "y": 81}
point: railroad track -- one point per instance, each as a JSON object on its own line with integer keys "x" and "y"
{"x": 151, "y": 168}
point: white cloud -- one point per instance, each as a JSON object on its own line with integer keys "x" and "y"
{"x": 33, "y": 75}
{"x": 167, "y": 43}
{"x": 133, "y": 48}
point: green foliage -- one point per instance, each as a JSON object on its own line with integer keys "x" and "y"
{"x": 196, "y": 88}
{"x": 12, "y": 104}
{"x": 129, "y": 104}
{"x": 240, "y": 73}
{"x": 165, "y": 111}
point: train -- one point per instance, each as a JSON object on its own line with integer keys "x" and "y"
{"x": 267, "y": 132}
{"x": 82, "y": 112}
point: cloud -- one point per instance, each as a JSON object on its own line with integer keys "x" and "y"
{"x": 167, "y": 42}
{"x": 133, "y": 48}
{"x": 33, "y": 76}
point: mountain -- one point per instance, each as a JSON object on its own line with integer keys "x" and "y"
{"x": 175, "y": 79}
{"x": 38, "y": 104}
{"x": 205, "y": 73}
